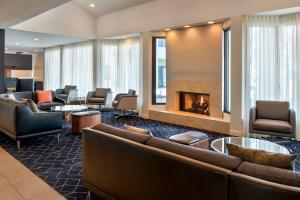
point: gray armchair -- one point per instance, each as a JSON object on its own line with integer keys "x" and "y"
{"x": 126, "y": 102}
{"x": 273, "y": 118}
{"x": 101, "y": 96}
{"x": 66, "y": 94}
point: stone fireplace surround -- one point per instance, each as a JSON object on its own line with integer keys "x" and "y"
{"x": 214, "y": 89}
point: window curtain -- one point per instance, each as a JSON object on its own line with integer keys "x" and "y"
{"x": 52, "y": 74}
{"x": 119, "y": 65}
{"x": 77, "y": 66}
{"x": 272, "y": 62}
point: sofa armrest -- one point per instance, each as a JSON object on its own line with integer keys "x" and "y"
{"x": 252, "y": 118}
{"x": 292, "y": 120}
{"x": 118, "y": 96}
{"x": 90, "y": 95}
{"x": 28, "y": 122}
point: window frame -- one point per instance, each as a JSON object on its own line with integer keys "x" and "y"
{"x": 154, "y": 39}
{"x": 226, "y": 71}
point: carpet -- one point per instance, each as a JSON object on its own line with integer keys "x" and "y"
{"x": 60, "y": 163}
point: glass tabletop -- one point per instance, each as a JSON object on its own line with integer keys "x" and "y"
{"x": 69, "y": 108}
{"x": 219, "y": 145}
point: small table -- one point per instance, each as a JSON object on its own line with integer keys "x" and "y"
{"x": 219, "y": 145}
{"x": 68, "y": 109}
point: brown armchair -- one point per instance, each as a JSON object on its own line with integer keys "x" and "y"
{"x": 127, "y": 102}
{"x": 101, "y": 96}
{"x": 273, "y": 118}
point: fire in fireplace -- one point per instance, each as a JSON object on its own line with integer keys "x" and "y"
{"x": 194, "y": 102}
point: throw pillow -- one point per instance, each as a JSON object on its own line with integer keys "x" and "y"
{"x": 32, "y": 105}
{"x": 44, "y": 96}
{"x": 284, "y": 161}
{"x": 11, "y": 96}
{"x": 136, "y": 130}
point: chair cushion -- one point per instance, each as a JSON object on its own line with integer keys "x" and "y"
{"x": 62, "y": 96}
{"x": 284, "y": 161}
{"x": 211, "y": 157}
{"x": 272, "y": 125}
{"x": 276, "y": 110}
{"x": 136, "y": 130}
{"x": 68, "y": 88}
{"x": 96, "y": 100}
{"x": 136, "y": 137}
{"x": 101, "y": 92}
{"x": 44, "y": 96}
{"x": 276, "y": 175}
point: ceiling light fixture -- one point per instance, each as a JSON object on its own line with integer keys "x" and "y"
{"x": 17, "y": 43}
{"x": 167, "y": 29}
{"x": 92, "y": 5}
{"x": 36, "y": 39}
{"x": 211, "y": 22}
{"x": 187, "y": 26}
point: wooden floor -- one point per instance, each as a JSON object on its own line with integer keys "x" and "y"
{"x": 18, "y": 182}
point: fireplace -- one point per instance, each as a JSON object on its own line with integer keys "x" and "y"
{"x": 194, "y": 102}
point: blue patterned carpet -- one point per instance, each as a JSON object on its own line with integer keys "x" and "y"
{"x": 60, "y": 164}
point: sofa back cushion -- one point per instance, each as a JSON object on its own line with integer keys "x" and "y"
{"x": 272, "y": 174}
{"x": 277, "y": 110}
{"x": 68, "y": 88}
{"x": 101, "y": 92}
{"x": 211, "y": 157}
{"x": 136, "y": 137}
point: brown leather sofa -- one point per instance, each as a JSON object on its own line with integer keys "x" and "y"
{"x": 123, "y": 165}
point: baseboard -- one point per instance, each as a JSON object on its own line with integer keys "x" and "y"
{"x": 144, "y": 116}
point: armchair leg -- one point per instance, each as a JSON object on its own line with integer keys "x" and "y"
{"x": 18, "y": 144}
{"x": 89, "y": 195}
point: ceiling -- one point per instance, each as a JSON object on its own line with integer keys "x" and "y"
{"x": 18, "y": 40}
{"x": 103, "y": 7}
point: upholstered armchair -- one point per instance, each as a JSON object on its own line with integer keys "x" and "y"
{"x": 126, "y": 102}
{"x": 273, "y": 118}
{"x": 67, "y": 93}
{"x": 101, "y": 96}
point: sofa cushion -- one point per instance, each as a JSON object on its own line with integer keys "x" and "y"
{"x": 211, "y": 157}
{"x": 136, "y": 137}
{"x": 272, "y": 125}
{"x": 47, "y": 106}
{"x": 96, "y": 100}
{"x": 32, "y": 105}
{"x": 277, "y": 110}
{"x": 68, "y": 88}
{"x": 268, "y": 173}
{"x": 279, "y": 160}
{"x": 136, "y": 130}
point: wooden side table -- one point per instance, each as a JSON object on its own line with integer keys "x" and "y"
{"x": 81, "y": 120}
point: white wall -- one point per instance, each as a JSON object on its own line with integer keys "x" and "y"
{"x": 67, "y": 20}
{"x": 162, "y": 14}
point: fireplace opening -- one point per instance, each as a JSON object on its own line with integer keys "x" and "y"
{"x": 194, "y": 102}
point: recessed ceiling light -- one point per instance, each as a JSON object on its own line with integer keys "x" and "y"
{"x": 167, "y": 29}
{"x": 187, "y": 26}
{"x": 17, "y": 43}
{"x": 211, "y": 22}
{"x": 36, "y": 39}
{"x": 124, "y": 37}
{"x": 36, "y": 51}
{"x": 92, "y": 5}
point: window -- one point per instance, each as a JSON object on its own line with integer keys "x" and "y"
{"x": 159, "y": 70}
{"x": 227, "y": 66}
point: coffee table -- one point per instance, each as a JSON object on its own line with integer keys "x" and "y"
{"x": 219, "y": 145}
{"x": 68, "y": 109}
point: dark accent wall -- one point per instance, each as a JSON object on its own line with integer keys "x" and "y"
{"x": 2, "y": 48}
{"x": 18, "y": 61}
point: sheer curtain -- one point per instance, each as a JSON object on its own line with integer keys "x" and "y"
{"x": 119, "y": 65}
{"x": 272, "y": 62}
{"x": 52, "y": 68}
{"x": 77, "y": 66}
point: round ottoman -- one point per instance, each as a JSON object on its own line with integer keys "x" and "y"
{"x": 81, "y": 120}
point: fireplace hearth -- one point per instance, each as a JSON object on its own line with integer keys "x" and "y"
{"x": 194, "y": 102}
